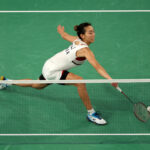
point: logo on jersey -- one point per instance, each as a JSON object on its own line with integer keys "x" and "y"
{"x": 71, "y": 47}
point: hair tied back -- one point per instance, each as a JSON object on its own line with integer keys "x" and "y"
{"x": 76, "y": 27}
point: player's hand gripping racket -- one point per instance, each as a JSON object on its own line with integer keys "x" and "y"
{"x": 139, "y": 108}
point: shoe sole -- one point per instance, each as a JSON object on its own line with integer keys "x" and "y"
{"x": 96, "y": 123}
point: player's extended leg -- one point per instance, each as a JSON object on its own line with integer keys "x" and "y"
{"x": 33, "y": 85}
{"x": 81, "y": 87}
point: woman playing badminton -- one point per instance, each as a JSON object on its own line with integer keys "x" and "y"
{"x": 56, "y": 67}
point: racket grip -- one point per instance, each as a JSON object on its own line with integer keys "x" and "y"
{"x": 119, "y": 89}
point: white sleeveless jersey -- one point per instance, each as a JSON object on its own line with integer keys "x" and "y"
{"x": 67, "y": 58}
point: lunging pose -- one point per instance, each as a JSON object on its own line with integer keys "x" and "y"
{"x": 56, "y": 67}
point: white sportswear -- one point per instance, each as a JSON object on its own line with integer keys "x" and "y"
{"x": 64, "y": 60}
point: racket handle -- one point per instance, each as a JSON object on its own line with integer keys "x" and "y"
{"x": 119, "y": 89}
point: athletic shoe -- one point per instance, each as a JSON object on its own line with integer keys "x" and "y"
{"x": 3, "y": 85}
{"x": 95, "y": 118}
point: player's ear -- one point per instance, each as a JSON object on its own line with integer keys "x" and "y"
{"x": 82, "y": 36}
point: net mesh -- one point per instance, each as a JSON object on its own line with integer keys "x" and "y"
{"x": 56, "y": 114}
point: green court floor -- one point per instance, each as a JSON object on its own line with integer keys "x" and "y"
{"x": 74, "y": 147}
{"x": 27, "y": 40}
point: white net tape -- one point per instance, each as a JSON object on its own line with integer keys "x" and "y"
{"x": 76, "y": 81}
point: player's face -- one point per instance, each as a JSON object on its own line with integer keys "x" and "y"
{"x": 89, "y": 35}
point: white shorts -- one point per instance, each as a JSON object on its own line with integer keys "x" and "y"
{"x": 50, "y": 72}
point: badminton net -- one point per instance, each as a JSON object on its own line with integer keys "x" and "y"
{"x": 56, "y": 113}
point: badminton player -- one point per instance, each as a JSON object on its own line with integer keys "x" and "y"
{"x": 56, "y": 67}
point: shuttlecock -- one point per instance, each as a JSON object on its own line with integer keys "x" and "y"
{"x": 148, "y": 108}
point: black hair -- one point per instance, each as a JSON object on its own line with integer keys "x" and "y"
{"x": 80, "y": 29}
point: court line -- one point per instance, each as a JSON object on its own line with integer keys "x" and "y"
{"x": 70, "y": 11}
{"x": 113, "y": 134}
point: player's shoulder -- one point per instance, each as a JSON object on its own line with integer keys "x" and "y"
{"x": 79, "y": 42}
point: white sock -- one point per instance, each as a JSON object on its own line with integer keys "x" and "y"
{"x": 91, "y": 111}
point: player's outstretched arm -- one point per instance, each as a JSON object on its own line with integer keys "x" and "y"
{"x": 86, "y": 52}
{"x": 64, "y": 35}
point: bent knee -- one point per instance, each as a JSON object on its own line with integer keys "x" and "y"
{"x": 80, "y": 78}
{"x": 80, "y": 84}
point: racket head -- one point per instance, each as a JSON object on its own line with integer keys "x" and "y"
{"x": 140, "y": 111}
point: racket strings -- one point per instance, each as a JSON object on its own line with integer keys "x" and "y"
{"x": 140, "y": 111}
